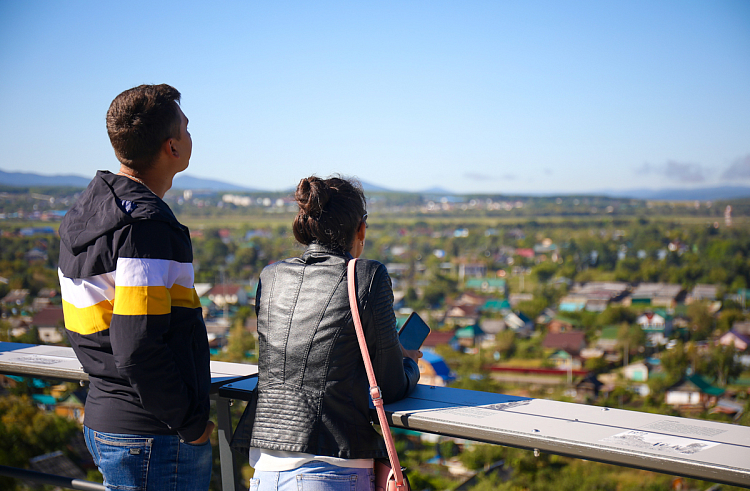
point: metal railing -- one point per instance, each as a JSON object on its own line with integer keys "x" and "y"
{"x": 51, "y": 479}
{"x": 716, "y": 452}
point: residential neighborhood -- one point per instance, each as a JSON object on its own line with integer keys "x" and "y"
{"x": 644, "y": 316}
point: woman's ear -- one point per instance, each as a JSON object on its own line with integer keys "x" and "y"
{"x": 362, "y": 231}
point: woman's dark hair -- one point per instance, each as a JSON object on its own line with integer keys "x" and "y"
{"x": 330, "y": 211}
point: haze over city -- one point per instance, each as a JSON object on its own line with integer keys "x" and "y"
{"x": 485, "y": 97}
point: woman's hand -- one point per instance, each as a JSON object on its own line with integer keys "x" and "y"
{"x": 413, "y": 354}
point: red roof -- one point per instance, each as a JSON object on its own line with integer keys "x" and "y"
{"x": 48, "y": 317}
{"x": 572, "y": 342}
{"x": 525, "y": 252}
{"x": 437, "y": 337}
{"x": 224, "y": 290}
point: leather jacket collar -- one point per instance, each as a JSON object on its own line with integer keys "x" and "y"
{"x": 317, "y": 252}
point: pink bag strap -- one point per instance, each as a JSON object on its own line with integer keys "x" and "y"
{"x": 377, "y": 399}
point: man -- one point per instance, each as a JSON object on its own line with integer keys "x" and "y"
{"x": 131, "y": 311}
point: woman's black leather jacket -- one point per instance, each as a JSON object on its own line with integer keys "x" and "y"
{"x": 312, "y": 389}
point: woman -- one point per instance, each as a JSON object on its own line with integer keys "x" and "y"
{"x": 312, "y": 423}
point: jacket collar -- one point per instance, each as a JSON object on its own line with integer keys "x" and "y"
{"x": 316, "y": 252}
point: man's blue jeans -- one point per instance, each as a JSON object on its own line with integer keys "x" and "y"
{"x": 149, "y": 462}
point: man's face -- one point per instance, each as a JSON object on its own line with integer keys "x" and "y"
{"x": 184, "y": 143}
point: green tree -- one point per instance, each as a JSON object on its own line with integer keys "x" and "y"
{"x": 630, "y": 338}
{"x": 724, "y": 365}
{"x": 701, "y": 320}
{"x": 597, "y": 365}
{"x": 544, "y": 271}
{"x": 26, "y": 431}
{"x": 240, "y": 341}
{"x": 675, "y": 361}
{"x": 438, "y": 288}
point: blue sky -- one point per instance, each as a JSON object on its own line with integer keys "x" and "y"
{"x": 488, "y": 97}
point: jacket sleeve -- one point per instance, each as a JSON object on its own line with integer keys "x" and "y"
{"x": 396, "y": 375}
{"x": 140, "y": 331}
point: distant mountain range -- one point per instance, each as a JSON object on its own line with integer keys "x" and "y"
{"x": 24, "y": 179}
{"x": 184, "y": 181}
{"x": 674, "y": 194}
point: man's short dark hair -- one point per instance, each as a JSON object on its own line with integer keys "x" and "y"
{"x": 139, "y": 120}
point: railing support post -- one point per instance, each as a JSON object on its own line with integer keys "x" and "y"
{"x": 229, "y": 471}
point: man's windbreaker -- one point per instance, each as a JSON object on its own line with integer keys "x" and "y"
{"x": 131, "y": 311}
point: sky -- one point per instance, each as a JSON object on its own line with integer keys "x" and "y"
{"x": 470, "y": 96}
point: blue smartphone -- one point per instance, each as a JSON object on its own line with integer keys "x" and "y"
{"x": 413, "y": 333}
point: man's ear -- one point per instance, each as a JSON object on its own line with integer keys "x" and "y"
{"x": 170, "y": 148}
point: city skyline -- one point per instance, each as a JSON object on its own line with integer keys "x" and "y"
{"x": 483, "y": 97}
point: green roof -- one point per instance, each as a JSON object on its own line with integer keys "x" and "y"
{"x": 496, "y": 305}
{"x": 560, "y": 354}
{"x": 482, "y": 283}
{"x": 609, "y": 332}
{"x": 44, "y": 399}
{"x": 469, "y": 332}
{"x": 704, "y": 385}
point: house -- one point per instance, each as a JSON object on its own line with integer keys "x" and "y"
{"x": 462, "y": 315}
{"x": 572, "y": 342}
{"x": 730, "y": 407}
{"x": 738, "y": 335}
{"x": 700, "y": 293}
{"x": 47, "y": 293}
{"x": 58, "y": 464}
{"x": 637, "y": 372}
{"x": 572, "y": 303}
{"x": 72, "y": 406}
{"x": 437, "y": 338}
{"x": 433, "y": 370}
{"x": 545, "y": 247}
{"x": 35, "y": 255}
{"x": 588, "y": 387}
{"x": 593, "y": 296}
{"x": 494, "y": 305}
{"x": 563, "y": 360}
{"x": 469, "y": 336}
{"x": 487, "y": 285}
{"x": 471, "y": 298}
{"x": 608, "y": 341}
{"x": 493, "y": 326}
{"x": 519, "y": 323}
{"x": 657, "y": 326}
{"x": 516, "y": 298}
{"x": 655, "y": 294}
{"x": 546, "y": 316}
{"x": 223, "y": 295}
{"x": 49, "y": 323}
{"x": 527, "y": 253}
{"x": 471, "y": 270}
{"x": 15, "y": 297}
{"x": 692, "y": 390}
{"x": 202, "y": 288}
{"x": 557, "y": 325}
{"x": 397, "y": 269}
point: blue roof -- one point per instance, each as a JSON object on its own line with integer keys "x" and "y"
{"x": 44, "y": 399}
{"x": 438, "y": 364}
{"x": 33, "y": 382}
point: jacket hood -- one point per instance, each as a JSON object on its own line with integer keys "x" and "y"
{"x": 109, "y": 203}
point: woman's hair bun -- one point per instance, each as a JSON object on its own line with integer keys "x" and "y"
{"x": 330, "y": 211}
{"x": 312, "y": 195}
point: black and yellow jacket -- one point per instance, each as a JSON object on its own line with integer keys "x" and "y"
{"x": 131, "y": 311}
